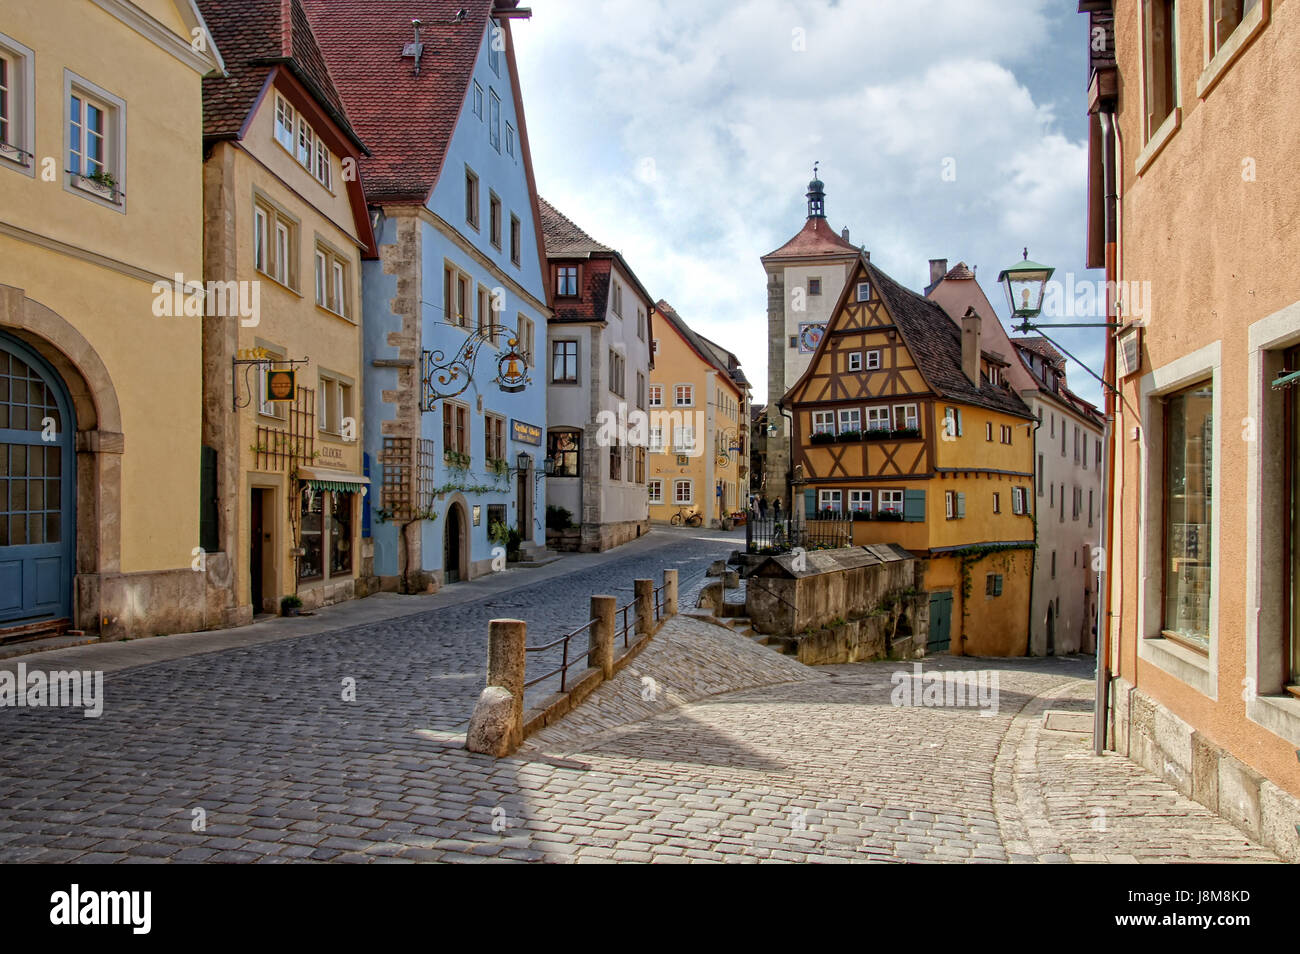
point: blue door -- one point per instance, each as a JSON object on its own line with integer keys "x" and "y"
{"x": 37, "y": 488}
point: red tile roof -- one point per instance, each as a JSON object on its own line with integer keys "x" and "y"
{"x": 563, "y": 237}
{"x": 255, "y": 36}
{"x": 406, "y": 119}
{"x": 959, "y": 272}
{"x": 815, "y": 238}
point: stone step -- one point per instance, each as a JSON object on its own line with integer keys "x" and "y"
{"x": 10, "y": 650}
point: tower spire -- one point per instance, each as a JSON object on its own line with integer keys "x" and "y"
{"x": 816, "y": 196}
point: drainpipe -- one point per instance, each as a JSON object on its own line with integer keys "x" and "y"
{"x": 1104, "y": 608}
{"x": 1032, "y": 507}
{"x": 789, "y": 471}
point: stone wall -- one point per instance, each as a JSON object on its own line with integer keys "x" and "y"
{"x": 1159, "y": 741}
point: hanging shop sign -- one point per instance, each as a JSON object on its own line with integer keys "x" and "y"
{"x": 281, "y": 384}
{"x": 526, "y": 433}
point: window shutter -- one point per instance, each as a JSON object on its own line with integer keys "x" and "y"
{"x": 810, "y": 502}
{"x": 997, "y": 584}
{"x": 959, "y": 422}
{"x": 209, "y": 538}
{"x": 914, "y": 506}
{"x": 961, "y": 505}
{"x": 365, "y": 501}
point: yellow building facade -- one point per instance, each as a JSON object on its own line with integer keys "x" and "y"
{"x": 698, "y": 407}
{"x": 905, "y": 427}
{"x": 286, "y": 223}
{"x": 101, "y": 206}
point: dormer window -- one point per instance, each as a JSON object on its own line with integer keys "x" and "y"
{"x": 864, "y": 291}
{"x": 566, "y": 280}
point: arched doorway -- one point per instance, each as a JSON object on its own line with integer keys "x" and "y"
{"x": 38, "y": 483}
{"x": 1051, "y": 630}
{"x": 453, "y": 541}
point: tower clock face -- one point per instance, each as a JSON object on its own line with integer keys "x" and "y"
{"x": 810, "y": 336}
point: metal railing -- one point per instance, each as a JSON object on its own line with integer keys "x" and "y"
{"x": 627, "y": 626}
{"x": 659, "y": 601}
{"x": 565, "y": 663}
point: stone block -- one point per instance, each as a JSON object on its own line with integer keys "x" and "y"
{"x": 1279, "y": 814}
{"x": 1205, "y": 772}
{"x": 493, "y": 728}
{"x": 1238, "y": 790}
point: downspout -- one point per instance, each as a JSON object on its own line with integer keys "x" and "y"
{"x": 1032, "y": 507}
{"x": 789, "y": 471}
{"x": 1104, "y": 603}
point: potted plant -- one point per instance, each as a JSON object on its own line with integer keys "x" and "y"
{"x": 822, "y": 437}
{"x": 906, "y": 432}
{"x": 850, "y": 435}
{"x": 291, "y": 605}
{"x": 860, "y": 515}
{"x": 102, "y": 183}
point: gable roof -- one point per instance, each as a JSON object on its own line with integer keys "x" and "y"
{"x": 933, "y": 340}
{"x": 707, "y": 350}
{"x": 1041, "y": 346}
{"x": 815, "y": 238}
{"x": 959, "y": 272}
{"x": 565, "y": 240}
{"x": 256, "y": 37}
{"x": 406, "y": 118}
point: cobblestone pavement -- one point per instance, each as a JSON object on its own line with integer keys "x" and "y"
{"x": 728, "y": 752}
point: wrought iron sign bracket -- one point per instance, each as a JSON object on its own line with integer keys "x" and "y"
{"x": 443, "y": 378}
{"x": 247, "y": 364}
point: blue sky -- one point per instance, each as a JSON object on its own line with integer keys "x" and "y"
{"x": 684, "y": 136}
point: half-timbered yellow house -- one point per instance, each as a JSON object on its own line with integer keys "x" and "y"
{"x": 904, "y": 425}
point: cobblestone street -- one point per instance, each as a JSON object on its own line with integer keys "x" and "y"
{"x": 736, "y": 753}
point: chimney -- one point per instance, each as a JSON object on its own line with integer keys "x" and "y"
{"x": 938, "y": 269}
{"x": 970, "y": 346}
{"x": 844, "y": 233}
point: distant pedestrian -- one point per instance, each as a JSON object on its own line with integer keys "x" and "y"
{"x": 776, "y": 509}
{"x": 762, "y": 506}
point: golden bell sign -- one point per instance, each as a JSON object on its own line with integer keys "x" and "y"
{"x": 512, "y": 371}
{"x": 281, "y": 385}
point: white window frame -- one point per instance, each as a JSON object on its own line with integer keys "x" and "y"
{"x": 656, "y": 440}
{"x": 684, "y": 439}
{"x": 677, "y": 490}
{"x": 823, "y": 422}
{"x": 832, "y": 500}
{"x": 855, "y": 360}
{"x": 854, "y": 416}
{"x": 1199, "y": 672}
{"x": 114, "y": 140}
{"x": 510, "y": 139}
{"x": 280, "y": 128}
{"x": 494, "y": 120}
{"x": 873, "y": 359}
{"x": 476, "y": 100}
{"x": 677, "y": 395}
{"x": 21, "y": 80}
{"x": 655, "y": 490}
{"x": 656, "y": 396}
{"x": 885, "y": 498}
{"x": 858, "y": 291}
{"x": 859, "y": 501}
{"x": 910, "y": 416}
{"x": 873, "y": 419}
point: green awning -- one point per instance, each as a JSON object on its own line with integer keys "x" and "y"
{"x": 1287, "y": 379}
{"x": 322, "y": 478}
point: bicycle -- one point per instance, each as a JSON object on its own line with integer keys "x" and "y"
{"x": 692, "y": 519}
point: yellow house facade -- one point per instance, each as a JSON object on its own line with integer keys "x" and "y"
{"x": 286, "y": 223}
{"x": 101, "y": 206}
{"x": 905, "y": 429}
{"x": 698, "y": 407}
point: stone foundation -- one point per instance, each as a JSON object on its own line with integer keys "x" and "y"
{"x": 158, "y": 602}
{"x": 1155, "y": 738}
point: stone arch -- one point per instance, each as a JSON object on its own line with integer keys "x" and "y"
{"x": 99, "y": 441}
{"x": 457, "y": 502}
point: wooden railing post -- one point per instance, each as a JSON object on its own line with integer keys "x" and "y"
{"x": 601, "y": 642}
{"x": 645, "y": 607}
{"x": 670, "y": 593}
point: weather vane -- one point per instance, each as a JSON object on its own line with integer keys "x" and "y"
{"x": 815, "y": 165}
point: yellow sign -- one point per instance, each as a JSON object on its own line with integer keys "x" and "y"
{"x": 281, "y": 385}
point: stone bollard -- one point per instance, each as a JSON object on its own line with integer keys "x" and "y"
{"x": 645, "y": 606}
{"x": 603, "y": 611}
{"x": 497, "y": 726}
{"x": 670, "y": 593}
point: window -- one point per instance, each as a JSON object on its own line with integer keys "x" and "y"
{"x": 905, "y": 417}
{"x": 640, "y": 323}
{"x": 654, "y": 346}
{"x": 324, "y": 165}
{"x": 656, "y": 440}
{"x": 494, "y": 437}
{"x": 618, "y": 299}
{"x": 1225, "y": 17}
{"x": 952, "y": 422}
{"x": 1062, "y": 438}
{"x": 1076, "y": 443}
{"x": 684, "y": 395}
{"x": 88, "y": 135}
{"x": 1090, "y": 502}
{"x": 864, "y": 291}
{"x": 16, "y": 112}
{"x": 455, "y": 428}
{"x": 873, "y": 360}
{"x": 855, "y": 360}
{"x": 1040, "y": 475}
{"x": 566, "y": 280}
{"x": 306, "y": 144}
{"x": 1019, "y": 500}
{"x": 823, "y": 422}
{"x": 494, "y": 219}
{"x": 333, "y": 403}
{"x": 639, "y": 462}
{"x": 340, "y": 533}
{"x": 954, "y": 504}
{"x": 484, "y": 317}
{"x": 331, "y": 281}
{"x": 829, "y": 500}
{"x": 478, "y": 100}
{"x": 1189, "y": 499}
{"x": 496, "y": 42}
{"x": 988, "y": 430}
{"x": 275, "y": 248}
{"x": 993, "y": 584}
{"x": 564, "y": 362}
{"x": 684, "y": 439}
{"x": 1160, "y": 62}
{"x": 891, "y": 501}
{"x": 1008, "y": 432}
{"x": 860, "y": 501}
{"x": 514, "y": 239}
{"x": 1290, "y": 520}
{"x": 655, "y": 491}
{"x": 814, "y": 287}
{"x": 878, "y": 419}
{"x": 617, "y": 373}
{"x": 850, "y": 419}
{"x": 471, "y": 199}
{"x": 524, "y": 332}
{"x": 615, "y": 461}
{"x": 1053, "y": 564}
{"x": 510, "y": 140}
{"x": 683, "y": 491}
{"x": 997, "y": 503}
{"x": 1098, "y": 454}
{"x": 1085, "y": 451}
{"x": 565, "y": 447}
{"x": 656, "y": 395}
{"x": 455, "y": 296}
{"x": 285, "y": 117}
{"x": 640, "y": 390}
{"x": 494, "y": 120}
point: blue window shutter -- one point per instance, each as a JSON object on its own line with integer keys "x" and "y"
{"x": 365, "y": 501}
{"x": 961, "y": 505}
{"x": 914, "y": 506}
{"x": 810, "y": 502}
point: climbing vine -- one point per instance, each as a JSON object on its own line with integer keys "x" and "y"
{"x": 970, "y": 556}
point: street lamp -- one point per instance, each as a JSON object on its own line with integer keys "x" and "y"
{"x": 1024, "y": 283}
{"x": 523, "y": 461}
{"x": 548, "y": 466}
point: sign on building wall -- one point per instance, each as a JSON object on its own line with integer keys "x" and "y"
{"x": 281, "y": 385}
{"x": 810, "y": 336}
{"x": 526, "y": 433}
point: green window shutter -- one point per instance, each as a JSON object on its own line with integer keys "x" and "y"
{"x": 209, "y": 539}
{"x": 997, "y": 584}
{"x": 961, "y": 505}
{"x": 959, "y": 422}
{"x": 810, "y": 502}
{"x": 914, "y": 506}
